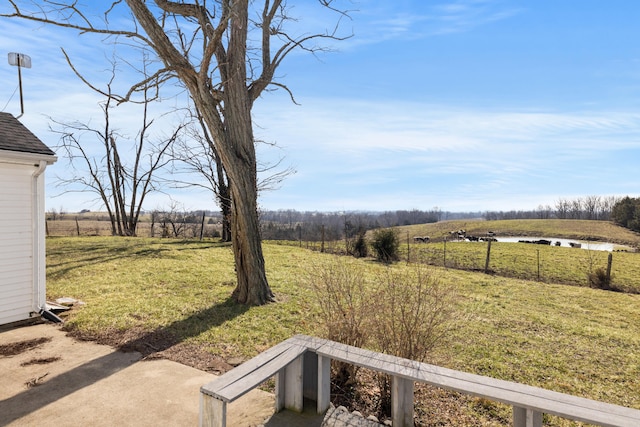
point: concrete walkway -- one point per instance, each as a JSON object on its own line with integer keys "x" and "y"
{"x": 65, "y": 382}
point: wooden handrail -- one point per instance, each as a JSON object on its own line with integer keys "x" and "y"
{"x": 301, "y": 366}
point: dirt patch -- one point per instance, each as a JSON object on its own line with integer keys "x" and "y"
{"x": 15, "y": 348}
{"x": 43, "y": 361}
{"x": 158, "y": 344}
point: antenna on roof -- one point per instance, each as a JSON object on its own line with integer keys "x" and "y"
{"x": 20, "y": 60}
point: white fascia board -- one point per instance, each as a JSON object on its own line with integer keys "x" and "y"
{"x": 20, "y": 157}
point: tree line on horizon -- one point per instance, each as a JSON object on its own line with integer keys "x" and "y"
{"x": 290, "y": 224}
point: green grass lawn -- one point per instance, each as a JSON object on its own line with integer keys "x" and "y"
{"x": 570, "y": 339}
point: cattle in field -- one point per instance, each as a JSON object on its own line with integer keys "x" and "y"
{"x": 421, "y": 239}
{"x": 575, "y": 245}
{"x": 536, "y": 242}
{"x": 458, "y": 234}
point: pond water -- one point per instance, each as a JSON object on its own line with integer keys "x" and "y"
{"x": 594, "y": 246}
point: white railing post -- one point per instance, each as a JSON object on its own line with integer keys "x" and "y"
{"x": 280, "y": 390}
{"x": 293, "y": 391}
{"x": 523, "y": 417}
{"x": 289, "y": 391}
{"x": 213, "y": 412}
{"x": 324, "y": 384}
{"x": 402, "y": 402}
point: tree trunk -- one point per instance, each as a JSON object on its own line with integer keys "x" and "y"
{"x": 252, "y": 287}
{"x": 226, "y": 220}
{"x": 228, "y": 119}
{"x": 224, "y": 198}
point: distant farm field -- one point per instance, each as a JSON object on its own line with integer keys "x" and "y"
{"x": 99, "y": 225}
{"x": 604, "y": 231}
{"x": 570, "y": 339}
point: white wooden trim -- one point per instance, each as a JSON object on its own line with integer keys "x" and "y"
{"x": 8, "y": 156}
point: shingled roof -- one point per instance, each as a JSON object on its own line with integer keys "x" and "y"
{"x": 14, "y": 136}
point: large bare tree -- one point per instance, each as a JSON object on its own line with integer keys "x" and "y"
{"x": 100, "y": 165}
{"x": 206, "y": 45}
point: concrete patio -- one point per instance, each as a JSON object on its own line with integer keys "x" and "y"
{"x": 63, "y": 381}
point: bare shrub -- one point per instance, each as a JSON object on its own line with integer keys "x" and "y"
{"x": 405, "y": 313}
{"x": 412, "y": 313}
{"x": 342, "y": 296}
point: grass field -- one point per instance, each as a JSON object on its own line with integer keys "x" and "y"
{"x": 570, "y": 339}
{"x": 542, "y": 263}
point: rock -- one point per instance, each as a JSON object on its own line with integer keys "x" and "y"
{"x": 341, "y": 417}
{"x": 67, "y": 301}
{"x": 235, "y": 361}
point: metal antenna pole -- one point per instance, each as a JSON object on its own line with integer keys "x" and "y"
{"x": 20, "y": 60}
{"x": 20, "y": 85}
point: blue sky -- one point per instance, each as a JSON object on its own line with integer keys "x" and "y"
{"x": 466, "y": 105}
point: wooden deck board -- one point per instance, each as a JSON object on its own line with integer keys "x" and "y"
{"x": 516, "y": 394}
{"x": 250, "y": 374}
{"x": 245, "y": 377}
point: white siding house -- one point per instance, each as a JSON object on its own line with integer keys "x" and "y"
{"x": 23, "y": 159}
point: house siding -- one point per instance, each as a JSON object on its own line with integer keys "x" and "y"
{"x": 16, "y": 242}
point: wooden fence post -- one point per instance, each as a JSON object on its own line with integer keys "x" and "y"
{"x": 202, "y": 226}
{"x": 408, "y": 249}
{"x": 486, "y": 263}
{"x": 609, "y": 262}
{"x": 444, "y": 255}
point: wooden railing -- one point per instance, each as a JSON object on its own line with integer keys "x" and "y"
{"x": 301, "y": 366}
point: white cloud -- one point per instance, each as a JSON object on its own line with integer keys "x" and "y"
{"x": 381, "y": 21}
{"x": 439, "y": 155}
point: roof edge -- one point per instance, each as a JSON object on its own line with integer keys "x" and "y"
{"x": 27, "y": 157}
